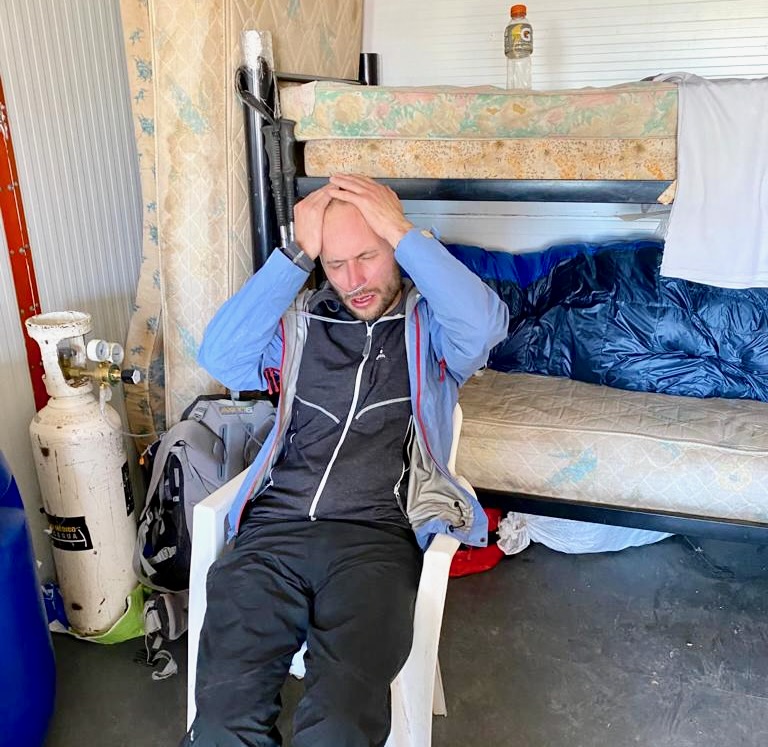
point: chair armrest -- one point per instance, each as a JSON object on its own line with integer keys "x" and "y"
{"x": 458, "y": 420}
{"x": 208, "y": 525}
{"x": 433, "y": 585}
{"x": 207, "y": 544}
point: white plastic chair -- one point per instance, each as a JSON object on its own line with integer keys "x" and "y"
{"x": 417, "y": 692}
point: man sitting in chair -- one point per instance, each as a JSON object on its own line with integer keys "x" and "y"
{"x": 352, "y": 483}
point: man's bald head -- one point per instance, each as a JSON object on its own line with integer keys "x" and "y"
{"x": 359, "y": 264}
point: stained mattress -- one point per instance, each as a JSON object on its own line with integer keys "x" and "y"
{"x": 566, "y": 439}
{"x": 620, "y": 132}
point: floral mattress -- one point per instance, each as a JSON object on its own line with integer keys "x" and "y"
{"x": 622, "y": 132}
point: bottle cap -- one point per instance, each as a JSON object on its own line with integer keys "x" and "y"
{"x": 518, "y": 11}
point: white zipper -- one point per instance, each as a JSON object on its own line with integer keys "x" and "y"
{"x": 350, "y": 417}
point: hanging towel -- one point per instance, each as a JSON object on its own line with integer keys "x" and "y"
{"x": 718, "y": 228}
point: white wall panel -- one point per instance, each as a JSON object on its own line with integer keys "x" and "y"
{"x": 576, "y": 43}
{"x": 530, "y": 226}
{"x": 62, "y": 65}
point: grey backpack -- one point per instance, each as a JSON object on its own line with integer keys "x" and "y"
{"x": 214, "y": 441}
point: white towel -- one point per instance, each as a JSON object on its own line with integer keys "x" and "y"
{"x": 718, "y": 228}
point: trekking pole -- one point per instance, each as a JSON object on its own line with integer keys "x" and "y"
{"x": 254, "y": 84}
{"x": 272, "y": 139}
{"x": 287, "y": 150}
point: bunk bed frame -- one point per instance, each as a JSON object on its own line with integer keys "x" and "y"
{"x": 514, "y": 190}
{"x": 265, "y": 237}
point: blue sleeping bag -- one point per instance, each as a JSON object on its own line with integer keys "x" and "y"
{"x": 602, "y": 314}
{"x": 27, "y": 668}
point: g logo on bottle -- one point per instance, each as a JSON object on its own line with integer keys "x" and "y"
{"x": 518, "y": 37}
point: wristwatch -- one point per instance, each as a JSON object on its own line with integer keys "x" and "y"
{"x": 296, "y": 254}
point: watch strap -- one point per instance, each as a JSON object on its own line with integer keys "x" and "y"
{"x": 297, "y": 255}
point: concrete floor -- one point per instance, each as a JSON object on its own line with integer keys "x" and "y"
{"x": 664, "y": 646}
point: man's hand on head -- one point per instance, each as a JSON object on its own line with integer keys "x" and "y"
{"x": 308, "y": 216}
{"x": 377, "y": 203}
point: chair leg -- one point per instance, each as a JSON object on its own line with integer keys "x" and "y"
{"x": 438, "y": 695}
{"x": 399, "y": 736}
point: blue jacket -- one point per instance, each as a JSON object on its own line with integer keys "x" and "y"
{"x": 453, "y": 320}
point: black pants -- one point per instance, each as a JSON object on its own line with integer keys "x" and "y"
{"x": 347, "y": 589}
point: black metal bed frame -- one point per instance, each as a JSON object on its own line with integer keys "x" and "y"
{"x": 505, "y": 190}
{"x": 514, "y": 190}
{"x": 731, "y": 530}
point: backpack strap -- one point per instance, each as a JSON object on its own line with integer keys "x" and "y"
{"x": 200, "y": 438}
{"x": 165, "y": 619}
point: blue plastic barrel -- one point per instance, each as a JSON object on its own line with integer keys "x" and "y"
{"x": 27, "y": 668}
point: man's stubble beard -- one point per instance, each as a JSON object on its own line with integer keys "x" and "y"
{"x": 386, "y": 298}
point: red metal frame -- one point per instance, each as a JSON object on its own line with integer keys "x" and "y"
{"x": 22, "y": 266}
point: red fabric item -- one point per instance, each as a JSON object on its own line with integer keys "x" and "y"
{"x": 494, "y": 517}
{"x": 468, "y": 560}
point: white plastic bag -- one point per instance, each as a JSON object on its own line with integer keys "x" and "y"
{"x": 517, "y": 531}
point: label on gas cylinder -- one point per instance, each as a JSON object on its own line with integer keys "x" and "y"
{"x": 69, "y": 532}
{"x": 130, "y": 504}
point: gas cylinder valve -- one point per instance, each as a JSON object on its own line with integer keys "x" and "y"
{"x": 108, "y": 356}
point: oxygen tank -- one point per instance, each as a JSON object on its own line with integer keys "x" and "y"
{"x": 83, "y": 472}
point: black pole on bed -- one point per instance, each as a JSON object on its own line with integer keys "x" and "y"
{"x": 264, "y": 232}
{"x": 368, "y": 69}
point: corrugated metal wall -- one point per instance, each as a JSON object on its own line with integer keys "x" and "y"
{"x": 576, "y": 43}
{"x": 65, "y": 80}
